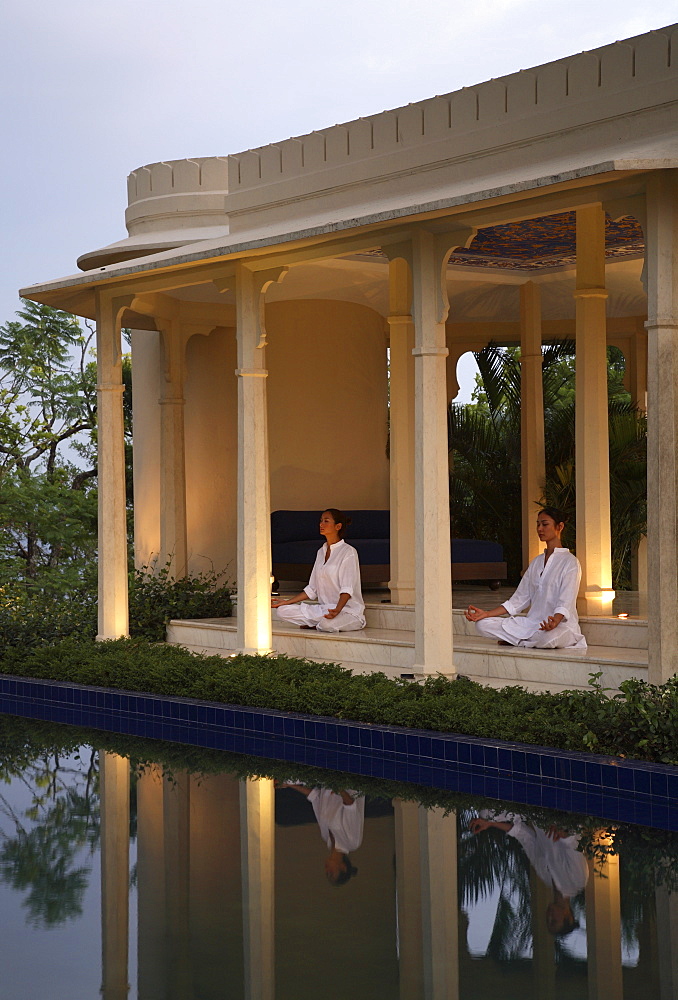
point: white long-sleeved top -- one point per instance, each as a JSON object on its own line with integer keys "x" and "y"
{"x": 344, "y": 823}
{"x": 339, "y": 575}
{"x": 556, "y": 862}
{"x": 549, "y": 589}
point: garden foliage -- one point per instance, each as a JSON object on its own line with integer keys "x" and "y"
{"x": 640, "y": 722}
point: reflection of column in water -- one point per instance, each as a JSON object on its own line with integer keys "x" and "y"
{"x": 151, "y": 960}
{"x": 603, "y": 931}
{"x": 257, "y": 843}
{"x": 408, "y": 882}
{"x": 216, "y": 903}
{"x": 176, "y": 817}
{"x": 114, "y": 812}
{"x": 440, "y": 910}
{"x": 667, "y": 943}
{"x": 428, "y": 912}
{"x": 543, "y": 948}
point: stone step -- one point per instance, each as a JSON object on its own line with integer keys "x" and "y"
{"x": 631, "y": 633}
{"x": 391, "y": 651}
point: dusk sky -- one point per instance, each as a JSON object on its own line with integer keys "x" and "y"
{"x": 92, "y": 90}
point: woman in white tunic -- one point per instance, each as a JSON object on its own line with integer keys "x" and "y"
{"x": 334, "y": 584}
{"x": 554, "y": 856}
{"x": 340, "y": 816}
{"x": 549, "y": 588}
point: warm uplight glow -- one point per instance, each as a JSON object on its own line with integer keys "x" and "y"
{"x": 622, "y": 616}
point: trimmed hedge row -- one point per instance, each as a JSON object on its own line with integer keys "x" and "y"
{"x": 641, "y": 722}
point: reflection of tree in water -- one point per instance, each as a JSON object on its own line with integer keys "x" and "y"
{"x": 41, "y": 855}
{"x": 490, "y": 863}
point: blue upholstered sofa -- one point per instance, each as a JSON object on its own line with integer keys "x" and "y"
{"x": 295, "y": 540}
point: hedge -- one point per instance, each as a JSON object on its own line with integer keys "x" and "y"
{"x": 641, "y": 722}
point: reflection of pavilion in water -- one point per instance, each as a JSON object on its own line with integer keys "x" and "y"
{"x": 230, "y": 905}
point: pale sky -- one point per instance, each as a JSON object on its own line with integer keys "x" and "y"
{"x": 91, "y": 90}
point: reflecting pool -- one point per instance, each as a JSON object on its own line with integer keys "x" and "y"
{"x": 151, "y": 871}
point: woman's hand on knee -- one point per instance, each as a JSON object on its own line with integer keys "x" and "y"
{"x": 553, "y": 621}
{"x": 474, "y": 614}
{"x": 332, "y": 613}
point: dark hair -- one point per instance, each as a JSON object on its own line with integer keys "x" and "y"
{"x": 349, "y": 871}
{"x": 559, "y": 516}
{"x": 338, "y": 517}
{"x": 568, "y": 924}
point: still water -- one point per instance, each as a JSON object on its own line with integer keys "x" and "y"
{"x": 141, "y": 870}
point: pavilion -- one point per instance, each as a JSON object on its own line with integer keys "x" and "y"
{"x": 539, "y": 205}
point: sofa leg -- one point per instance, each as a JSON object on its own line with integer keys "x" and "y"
{"x": 495, "y": 584}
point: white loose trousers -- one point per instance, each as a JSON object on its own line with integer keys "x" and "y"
{"x": 339, "y": 575}
{"x": 547, "y": 588}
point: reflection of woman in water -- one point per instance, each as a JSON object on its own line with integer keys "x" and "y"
{"x": 340, "y": 816}
{"x": 334, "y": 583}
{"x": 554, "y": 856}
{"x": 549, "y": 586}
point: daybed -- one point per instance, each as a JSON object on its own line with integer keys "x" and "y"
{"x": 295, "y": 541}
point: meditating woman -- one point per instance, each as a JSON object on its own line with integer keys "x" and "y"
{"x": 334, "y": 583}
{"x": 549, "y": 587}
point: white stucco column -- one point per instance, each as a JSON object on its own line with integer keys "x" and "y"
{"x": 401, "y": 438}
{"x": 114, "y": 812}
{"x": 112, "y": 561}
{"x": 603, "y": 932}
{"x": 592, "y": 434}
{"x": 532, "y": 455}
{"x": 254, "y": 506}
{"x": 661, "y": 240}
{"x": 173, "y": 536}
{"x": 433, "y": 575}
{"x": 257, "y": 846}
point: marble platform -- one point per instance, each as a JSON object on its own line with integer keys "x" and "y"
{"x": 617, "y": 647}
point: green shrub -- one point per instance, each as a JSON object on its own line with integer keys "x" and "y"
{"x": 35, "y": 618}
{"x": 155, "y": 598}
{"x": 640, "y": 722}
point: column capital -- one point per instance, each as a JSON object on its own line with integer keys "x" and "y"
{"x": 590, "y": 293}
{"x": 430, "y": 351}
{"x": 110, "y": 387}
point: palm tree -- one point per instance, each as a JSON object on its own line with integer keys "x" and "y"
{"x": 484, "y": 438}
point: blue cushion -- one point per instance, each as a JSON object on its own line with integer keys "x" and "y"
{"x": 304, "y": 551}
{"x": 295, "y": 525}
{"x": 372, "y": 551}
{"x": 475, "y": 550}
{"x": 368, "y": 524}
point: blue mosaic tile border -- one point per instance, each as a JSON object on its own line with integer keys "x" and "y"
{"x": 614, "y": 789}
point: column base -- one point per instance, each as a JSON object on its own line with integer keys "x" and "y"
{"x": 402, "y": 594}
{"x": 111, "y": 638}
{"x": 596, "y": 602}
{"x": 420, "y": 670}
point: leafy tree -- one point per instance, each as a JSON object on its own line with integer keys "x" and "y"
{"x": 45, "y": 847}
{"x": 48, "y": 501}
{"x": 485, "y": 498}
